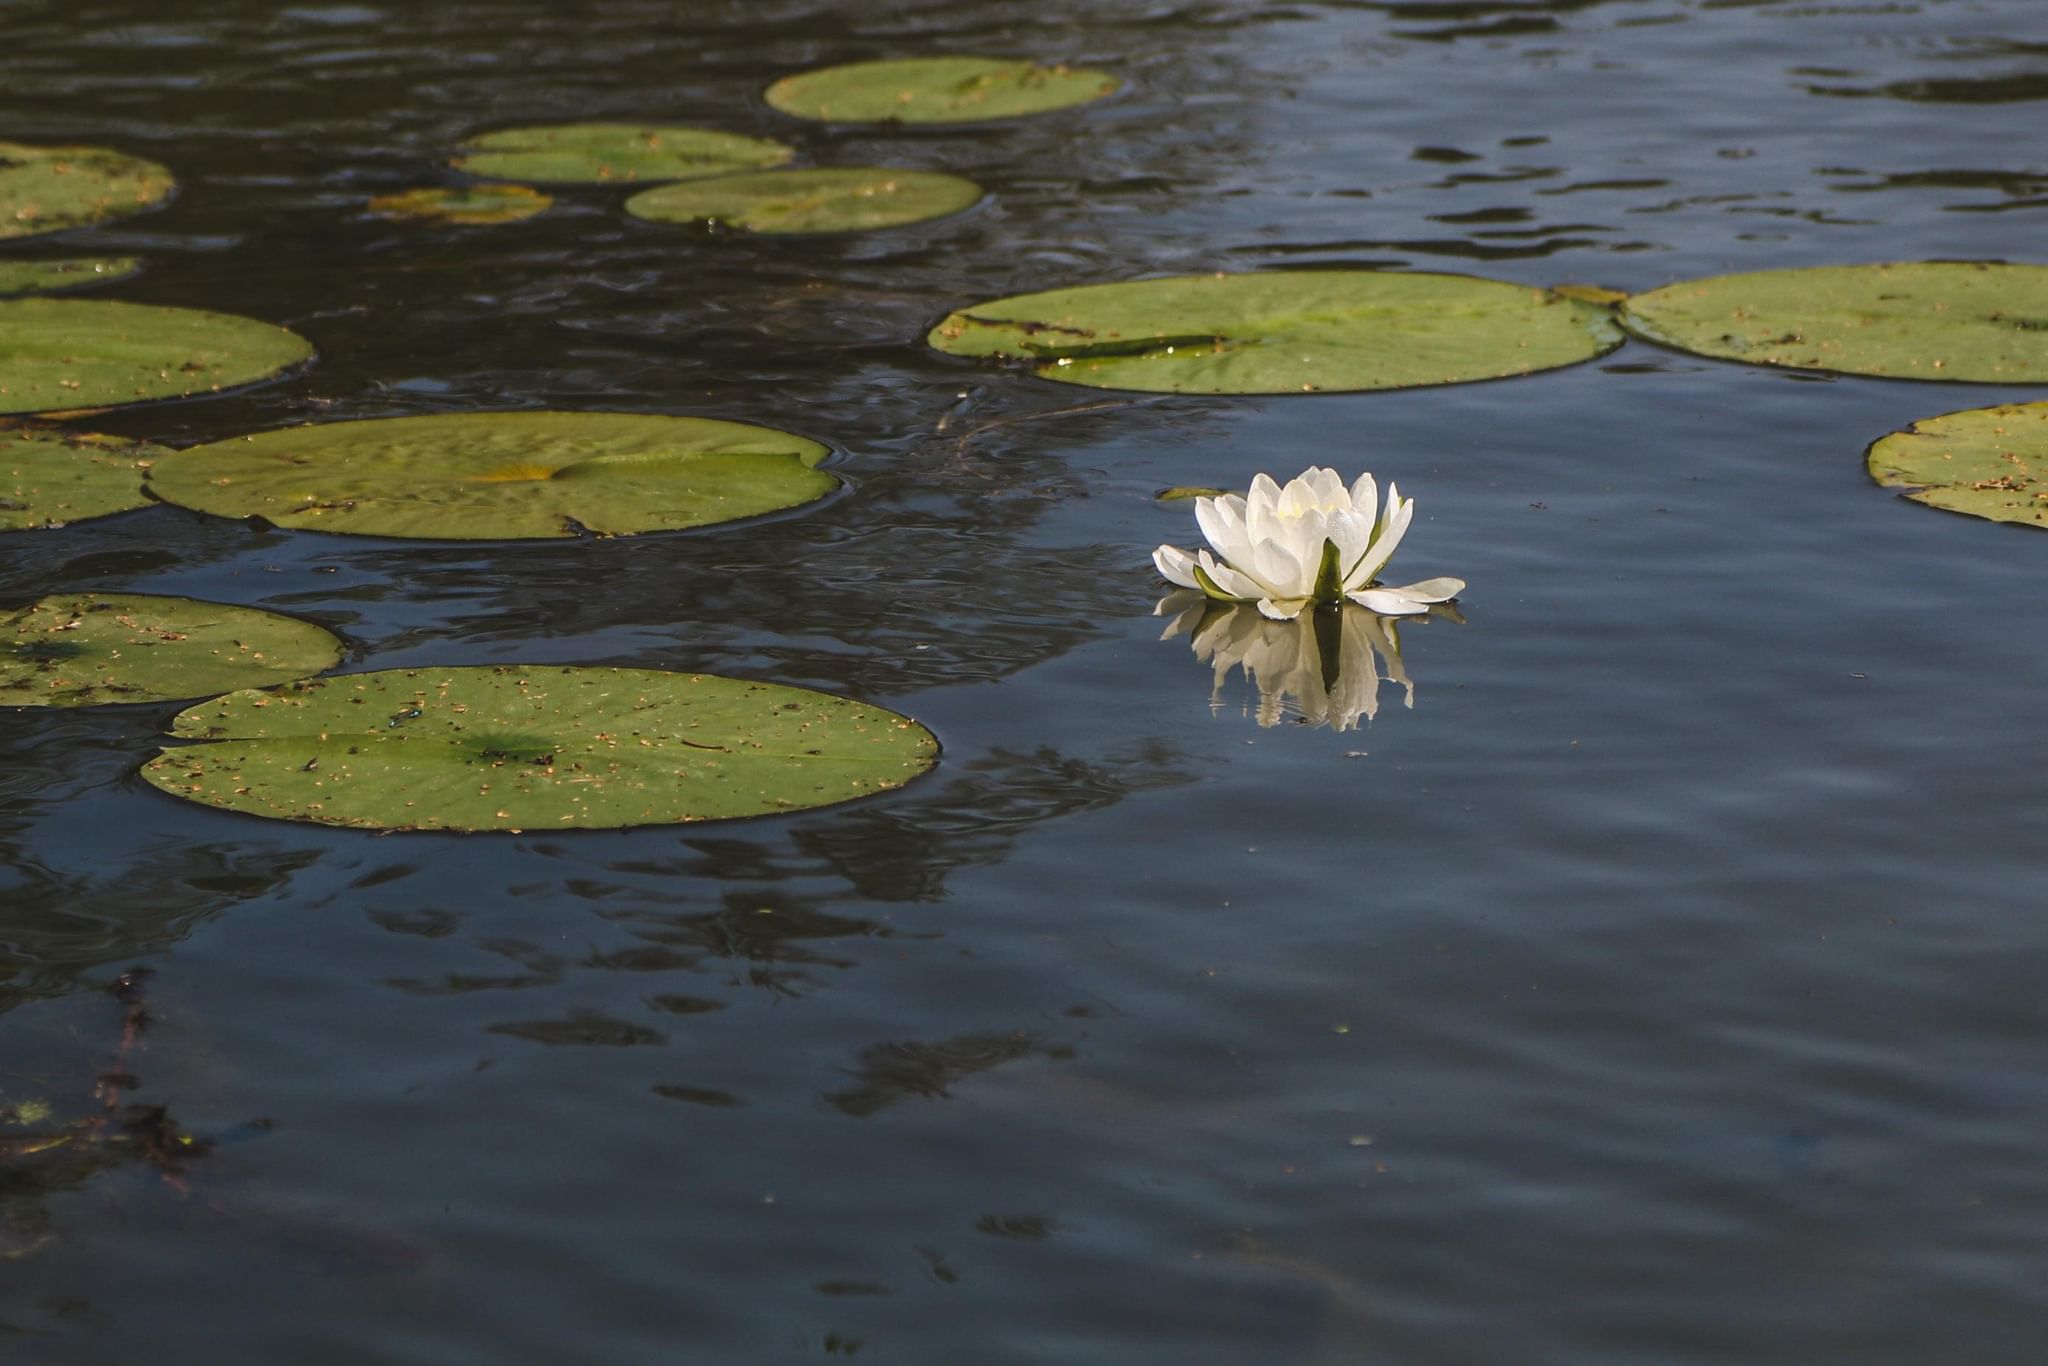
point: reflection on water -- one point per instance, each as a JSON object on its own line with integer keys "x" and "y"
{"x": 1323, "y": 668}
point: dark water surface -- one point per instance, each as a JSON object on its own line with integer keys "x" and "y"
{"x": 1663, "y": 987}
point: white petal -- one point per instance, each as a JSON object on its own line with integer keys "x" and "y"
{"x": 1263, "y": 494}
{"x": 1175, "y": 566}
{"x": 1279, "y": 570}
{"x": 1284, "y": 609}
{"x": 1242, "y": 587}
{"x": 1400, "y": 512}
{"x": 1222, "y": 523}
{"x": 1328, "y": 488}
{"x": 1386, "y": 602}
{"x": 1365, "y": 497}
{"x": 1430, "y": 590}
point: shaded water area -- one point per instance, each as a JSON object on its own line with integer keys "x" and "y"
{"x": 1659, "y": 987}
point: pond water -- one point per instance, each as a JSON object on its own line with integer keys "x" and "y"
{"x": 1660, "y": 987}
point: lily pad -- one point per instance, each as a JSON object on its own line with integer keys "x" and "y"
{"x": 1976, "y": 322}
{"x": 467, "y": 204}
{"x": 49, "y": 478}
{"x": 499, "y": 476}
{"x": 81, "y": 353}
{"x": 834, "y": 199}
{"x": 936, "y": 90}
{"x": 542, "y": 748}
{"x": 1987, "y": 462}
{"x": 49, "y": 189}
{"x": 1284, "y": 332}
{"x": 595, "y": 153}
{"x": 64, "y": 272}
{"x": 81, "y": 649}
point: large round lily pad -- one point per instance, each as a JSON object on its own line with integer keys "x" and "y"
{"x": 1937, "y": 320}
{"x": 936, "y": 90}
{"x": 64, "y": 272}
{"x": 87, "y": 353}
{"x": 86, "y": 648}
{"x": 1988, "y": 462}
{"x": 542, "y": 748}
{"x": 832, "y": 199}
{"x": 499, "y": 476}
{"x": 49, "y": 478}
{"x": 49, "y": 189}
{"x": 592, "y": 153}
{"x": 1284, "y": 332}
{"x": 467, "y": 204}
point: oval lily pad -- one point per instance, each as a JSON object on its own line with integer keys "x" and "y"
{"x": 49, "y": 478}
{"x": 49, "y": 189}
{"x": 64, "y": 272}
{"x": 1284, "y": 332}
{"x": 1987, "y": 462}
{"x": 542, "y": 748}
{"x": 594, "y": 153}
{"x": 499, "y": 476}
{"x": 81, "y": 649}
{"x": 832, "y": 199}
{"x": 81, "y": 353}
{"x": 1977, "y": 322}
{"x": 467, "y": 204}
{"x": 936, "y": 90}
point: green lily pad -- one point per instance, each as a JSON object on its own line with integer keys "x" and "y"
{"x": 833, "y": 199}
{"x": 499, "y": 476}
{"x": 49, "y": 478}
{"x": 1284, "y": 332}
{"x": 467, "y": 204}
{"x": 542, "y": 748}
{"x": 595, "y": 153}
{"x": 81, "y": 649}
{"x": 936, "y": 90}
{"x": 1987, "y": 462}
{"x": 59, "y": 354}
{"x": 1968, "y": 321}
{"x": 64, "y": 272}
{"x": 49, "y": 189}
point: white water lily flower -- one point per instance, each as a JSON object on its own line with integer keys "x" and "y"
{"x": 1313, "y": 541}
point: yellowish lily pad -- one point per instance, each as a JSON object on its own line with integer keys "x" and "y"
{"x": 467, "y": 204}
{"x": 601, "y": 153}
{"x": 830, "y": 199}
{"x": 50, "y": 477}
{"x": 50, "y": 189}
{"x": 1987, "y": 462}
{"x": 936, "y": 90}
{"x": 50, "y": 275}
{"x": 65, "y": 354}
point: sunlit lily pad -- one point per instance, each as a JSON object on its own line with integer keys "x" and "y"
{"x": 49, "y": 189}
{"x": 833, "y": 199}
{"x": 64, "y": 272}
{"x": 1283, "y": 332}
{"x": 466, "y": 204}
{"x": 593, "y": 153}
{"x": 1939, "y": 320}
{"x": 49, "y": 478}
{"x": 542, "y": 748}
{"x": 60, "y": 354}
{"x": 86, "y": 648}
{"x": 936, "y": 90}
{"x": 1988, "y": 462}
{"x": 499, "y": 476}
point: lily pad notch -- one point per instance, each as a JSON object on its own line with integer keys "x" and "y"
{"x": 1984, "y": 462}
{"x": 937, "y": 90}
{"x": 1977, "y": 322}
{"x": 1283, "y": 332}
{"x": 500, "y": 476}
{"x": 544, "y": 748}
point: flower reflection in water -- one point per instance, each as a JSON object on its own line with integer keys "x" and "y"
{"x": 1322, "y": 668}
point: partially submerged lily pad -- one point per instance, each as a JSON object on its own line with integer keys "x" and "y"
{"x": 49, "y": 477}
{"x": 1987, "y": 462}
{"x": 831, "y": 199}
{"x": 60, "y": 354}
{"x": 1972, "y": 321}
{"x": 64, "y": 272}
{"x": 466, "y": 204}
{"x": 81, "y": 649}
{"x": 596, "y": 153}
{"x": 936, "y": 90}
{"x": 49, "y": 189}
{"x": 542, "y": 748}
{"x": 1284, "y": 332}
{"x": 499, "y": 476}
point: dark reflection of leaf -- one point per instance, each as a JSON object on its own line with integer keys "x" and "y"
{"x": 645, "y": 959}
{"x": 426, "y": 924}
{"x": 582, "y": 1028}
{"x": 673, "y": 1003}
{"x": 851, "y": 1289}
{"x": 2011, "y": 89}
{"x": 698, "y": 1095}
{"x": 758, "y": 928}
{"x": 2022, "y": 190}
{"x": 1027, "y": 1228}
{"x": 891, "y": 1072}
{"x": 463, "y": 983}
